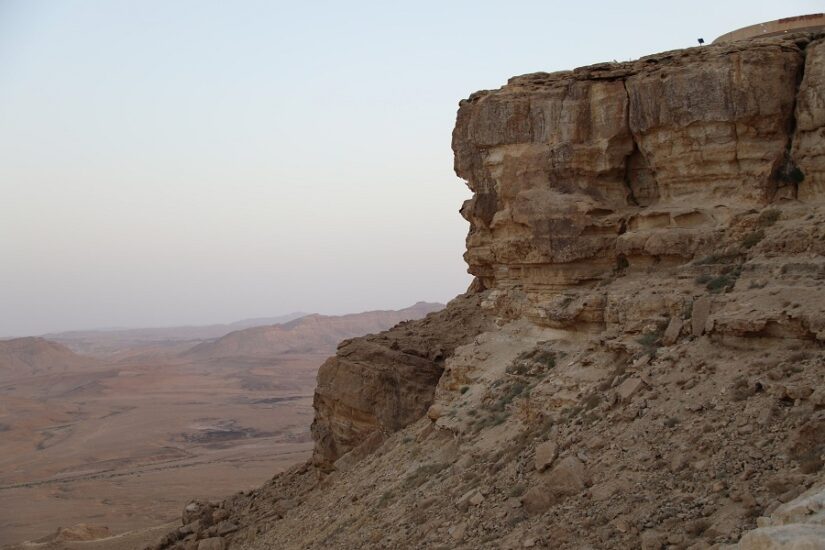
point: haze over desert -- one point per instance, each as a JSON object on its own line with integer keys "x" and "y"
{"x": 116, "y": 440}
{"x": 462, "y": 275}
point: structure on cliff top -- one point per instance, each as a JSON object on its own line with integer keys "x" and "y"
{"x": 800, "y": 23}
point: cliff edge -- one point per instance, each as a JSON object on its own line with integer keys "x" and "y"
{"x": 639, "y": 361}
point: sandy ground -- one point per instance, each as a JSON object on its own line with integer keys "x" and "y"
{"x": 127, "y": 445}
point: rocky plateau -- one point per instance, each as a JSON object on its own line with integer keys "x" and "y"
{"x": 639, "y": 361}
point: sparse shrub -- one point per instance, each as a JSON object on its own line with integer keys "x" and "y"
{"x": 725, "y": 281}
{"x": 768, "y": 217}
{"x": 571, "y": 412}
{"x": 791, "y": 174}
{"x": 650, "y": 341}
{"x": 592, "y": 401}
{"x": 464, "y": 389}
{"x": 720, "y": 283}
{"x": 671, "y": 422}
{"x": 703, "y": 278}
{"x": 590, "y": 418}
{"x": 716, "y": 259}
{"x": 423, "y": 473}
{"x": 386, "y": 498}
{"x": 751, "y": 239}
{"x": 546, "y": 358}
{"x": 486, "y": 422}
{"x": 517, "y": 490}
{"x": 533, "y": 362}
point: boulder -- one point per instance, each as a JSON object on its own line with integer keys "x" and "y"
{"x": 545, "y": 455}
{"x": 212, "y": 543}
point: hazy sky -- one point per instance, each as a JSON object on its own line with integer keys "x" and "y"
{"x": 169, "y": 162}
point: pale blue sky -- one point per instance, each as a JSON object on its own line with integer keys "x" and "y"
{"x": 169, "y": 162}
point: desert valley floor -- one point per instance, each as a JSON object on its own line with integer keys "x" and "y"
{"x": 120, "y": 445}
{"x": 120, "y": 429}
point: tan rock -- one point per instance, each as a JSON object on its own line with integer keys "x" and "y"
{"x": 476, "y": 499}
{"x": 629, "y": 388}
{"x": 653, "y": 540}
{"x": 567, "y": 478}
{"x": 473, "y": 497}
{"x": 672, "y": 332}
{"x": 785, "y": 537}
{"x": 578, "y": 173}
{"x": 545, "y": 455}
{"x": 457, "y": 531}
{"x": 807, "y": 150}
{"x": 699, "y": 316}
{"x": 384, "y": 382}
{"x": 213, "y": 543}
{"x": 434, "y": 412}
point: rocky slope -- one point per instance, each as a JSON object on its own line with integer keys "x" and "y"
{"x": 639, "y": 362}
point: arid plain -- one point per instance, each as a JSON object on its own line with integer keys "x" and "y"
{"x": 124, "y": 439}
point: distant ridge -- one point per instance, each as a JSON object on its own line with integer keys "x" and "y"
{"x": 311, "y": 333}
{"x": 108, "y": 342}
{"x": 34, "y": 356}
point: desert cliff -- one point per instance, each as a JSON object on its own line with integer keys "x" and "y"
{"x": 639, "y": 361}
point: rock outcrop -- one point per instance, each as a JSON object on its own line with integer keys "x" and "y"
{"x": 639, "y": 362}
{"x": 581, "y": 174}
{"x": 380, "y": 383}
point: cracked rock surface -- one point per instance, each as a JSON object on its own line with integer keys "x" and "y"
{"x": 640, "y": 362}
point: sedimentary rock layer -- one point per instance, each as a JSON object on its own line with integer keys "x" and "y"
{"x": 581, "y": 173}
{"x": 382, "y": 382}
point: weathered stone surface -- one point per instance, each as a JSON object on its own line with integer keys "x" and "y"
{"x": 471, "y": 498}
{"x": 672, "y": 332}
{"x": 713, "y": 126}
{"x": 798, "y": 524}
{"x": 567, "y": 478}
{"x": 363, "y": 449}
{"x": 383, "y": 382}
{"x": 629, "y": 388}
{"x": 545, "y": 455}
{"x": 785, "y": 537}
{"x": 213, "y": 543}
{"x": 807, "y": 152}
{"x": 579, "y": 174}
{"x": 699, "y": 315}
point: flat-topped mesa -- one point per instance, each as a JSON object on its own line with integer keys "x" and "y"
{"x": 581, "y": 174}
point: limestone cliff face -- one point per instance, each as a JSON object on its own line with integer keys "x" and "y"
{"x": 582, "y": 174}
{"x": 639, "y": 361}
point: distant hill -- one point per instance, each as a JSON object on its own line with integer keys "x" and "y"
{"x": 311, "y": 333}
{"x": 33, "y": 356}
{"x": 111, "y": 342}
